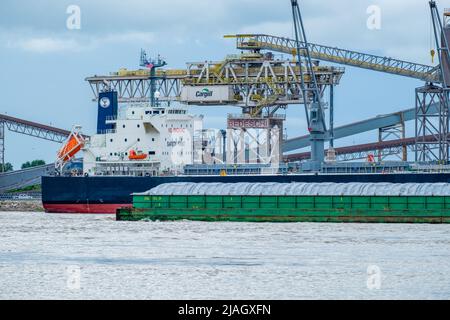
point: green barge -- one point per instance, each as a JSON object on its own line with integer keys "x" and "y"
{"x": 307, "y": 207}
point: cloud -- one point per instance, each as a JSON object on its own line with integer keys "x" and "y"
{"x": 44, "y": 45}
{"x": 180, "y": 22}
{"x": 66, "y": 43}
{"x": 279, "y": 28}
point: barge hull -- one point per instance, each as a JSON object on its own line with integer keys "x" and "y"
{"x": 276, "y": 216}
{"x": 84, "y": 208}
{"x": 353, "y": 209}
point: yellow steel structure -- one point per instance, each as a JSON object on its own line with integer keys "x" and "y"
{"x": 257, "y": 42}
{"x": 257, "y": 81}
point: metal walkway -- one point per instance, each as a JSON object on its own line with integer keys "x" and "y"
{"x": 34, "y": 129}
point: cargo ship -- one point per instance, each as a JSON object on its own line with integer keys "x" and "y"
{"x": 104, "y": 195}
{"x": 139, "y": 147}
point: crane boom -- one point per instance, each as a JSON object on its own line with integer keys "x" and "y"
{"x": 315, "y": 115}
{"x": 340, "y": 56}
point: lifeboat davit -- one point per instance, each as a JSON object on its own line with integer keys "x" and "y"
{"x": 137, "y": 155}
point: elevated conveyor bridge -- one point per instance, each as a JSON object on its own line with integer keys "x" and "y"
{"x": 257, "y": 42}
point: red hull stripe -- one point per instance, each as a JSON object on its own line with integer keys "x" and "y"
{"x": 84, "y": 208}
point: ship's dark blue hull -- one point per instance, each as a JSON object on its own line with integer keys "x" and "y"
{"x": 106, "y": 194}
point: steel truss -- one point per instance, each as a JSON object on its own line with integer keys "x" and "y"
{"x": 255, "y": 82}
{"x": 30, "y": 129}
{"x": 395, "y": 132}
{"x": 37, "y": 132}
{"x": 340, "y": 56}
{"x": 135, "y": 89}
{"x": 436, "y": 125}
{"x": 34, "y": 129}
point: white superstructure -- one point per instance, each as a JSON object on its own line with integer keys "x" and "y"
{"x": 145, "y": 141}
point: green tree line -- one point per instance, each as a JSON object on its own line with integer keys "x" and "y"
{"x": 9, "y": 167}
{"x": 32, "y": 164}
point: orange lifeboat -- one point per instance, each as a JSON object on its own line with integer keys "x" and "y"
{"x": 72, "y": 146}
{"x": 137, "y": 156}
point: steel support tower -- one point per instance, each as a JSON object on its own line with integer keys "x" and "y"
{"x": 2, "y": 146}
{"x": 435, "y": 125}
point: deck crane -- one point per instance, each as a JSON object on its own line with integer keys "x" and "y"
{"x": 312, "y": 97}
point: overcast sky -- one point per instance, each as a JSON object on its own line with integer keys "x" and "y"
{"x": 43, "y": 64}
